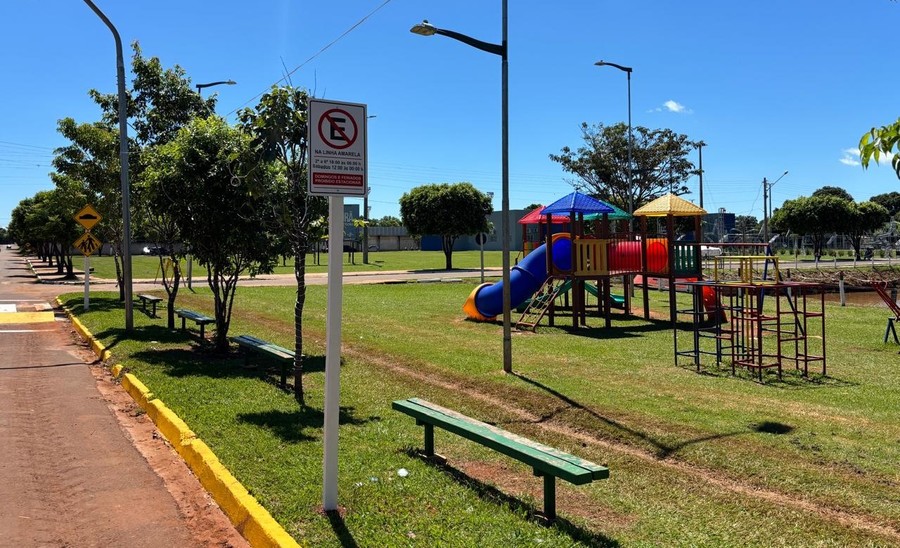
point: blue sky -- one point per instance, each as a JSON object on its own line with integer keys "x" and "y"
{"x": 769, "y": 85}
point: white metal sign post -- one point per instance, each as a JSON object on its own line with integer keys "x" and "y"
{"x": 337, "y": 168}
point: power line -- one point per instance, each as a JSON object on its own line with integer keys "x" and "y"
{"x": 301, "y": 65}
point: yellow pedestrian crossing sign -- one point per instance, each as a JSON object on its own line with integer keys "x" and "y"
{"x": 88, "y": 217}
{"x": 87, "y": 244}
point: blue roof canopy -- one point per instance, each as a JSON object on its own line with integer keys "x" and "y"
{"x": 577, "y": 203}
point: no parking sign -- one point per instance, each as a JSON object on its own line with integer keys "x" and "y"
{"x": 337, "y": 148}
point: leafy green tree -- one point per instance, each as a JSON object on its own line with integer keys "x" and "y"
{"x": 835, "y": 191}
{"x": 865, "y": 218}
{"x": 278, "y": 129}
{"x": 387, "y": 220}
{"x": 889, "y": 200}
{"x": 220, "y": 204}
{"x": 91, "y": 160}
{"x": 746, "y": 224}
{"x": 815, "y": 216}
{"x": 660, "y": 163}
{"x": 878, "y": 142}
{"x": 449, "y": 210}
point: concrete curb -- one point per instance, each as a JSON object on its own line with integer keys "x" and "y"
{"x": 246, "y": 514}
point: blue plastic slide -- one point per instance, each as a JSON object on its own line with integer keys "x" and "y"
{"x": 486, "y": 301}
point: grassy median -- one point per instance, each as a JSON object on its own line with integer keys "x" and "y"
{"x": 704, "y": 459}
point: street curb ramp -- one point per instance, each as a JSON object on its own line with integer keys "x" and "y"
{"x": 246, "y": 514}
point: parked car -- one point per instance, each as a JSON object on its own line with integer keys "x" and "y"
{"x": 156, "y": 250}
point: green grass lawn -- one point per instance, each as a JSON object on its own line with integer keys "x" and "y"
{"x": 148, "y": 267}
{"x": 706, "y": 459}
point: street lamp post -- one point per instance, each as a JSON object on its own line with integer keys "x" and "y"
{"x": 123, "y": 175}
{"x": 626, "y": 70}
{"x": 426, "y": 29}
{"x": 190, "y": 265}
{"x": 767, "y": 204}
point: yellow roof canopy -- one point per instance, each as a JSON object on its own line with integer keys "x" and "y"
{"x": 669, "y": 205}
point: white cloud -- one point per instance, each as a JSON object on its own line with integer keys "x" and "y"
{"x": 850, "y": 157}
{"x": 672, "y": 106}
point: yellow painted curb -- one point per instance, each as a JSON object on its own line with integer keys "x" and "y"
{"x": 138, "y": 391}
{"x": 249, "y": 517}
{"x": 171, "y": 426}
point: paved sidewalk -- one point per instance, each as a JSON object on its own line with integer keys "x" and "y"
{"x": 78, "y": 466}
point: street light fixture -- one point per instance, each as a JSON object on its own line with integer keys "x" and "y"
{"x": 767, "y": 197}
{"x": 427, "y": 29}
{"x": 211, "y": 84}
{"x": 626, "y": 70}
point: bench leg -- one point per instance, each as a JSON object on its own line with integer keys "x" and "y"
{"x": 183, "y": 328}
{"x": 550, "y": 497}
{"x": 429, "y": 439}
{"x": 202, "y": 326}
{"x": 891, "y": 330}
{"x": 154, "y": 309}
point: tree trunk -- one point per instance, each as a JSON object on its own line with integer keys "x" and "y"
{"x": 447, "y": 245}
{"x": 171, "y": 287}
{"x": 300, "y": 275}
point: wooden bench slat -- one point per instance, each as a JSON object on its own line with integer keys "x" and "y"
{"x": 254, "y": 343}
{"x": 602, "y": 471}
{"x": 541, "y": 457}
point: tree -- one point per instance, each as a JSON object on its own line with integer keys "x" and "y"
{"x": 746, "y": 224}
{"x": 890, "y": 201}
{"x": 387, "y": 220}
{"x": 660, "y": 163}
{"x": 278, "y": 129}
{"x": 835, "y": 191}
{"x": 815, "y": 216}
{"x": 448, "y": 210}
{"x": 220, "y": 204}
{"x": 865, "y": 218}
{"x": 879, "y": 142}
{"x": 91, "y": 160}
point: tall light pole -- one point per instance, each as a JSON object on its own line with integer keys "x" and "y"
{"x": 626, "y": 70}
{"x": 767, "y": 197}
{"x": 426, "y": 29}
{"x": 123, "y": 176}
{"x": 700, "y": 145}
{"x": 190, "y": 274}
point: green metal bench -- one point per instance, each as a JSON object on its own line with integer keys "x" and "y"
{"x": 547, "y": 462}
{"x": 152, "y": 299}
{"x": 280, "y": 354}
{"x": 195, "y": 317}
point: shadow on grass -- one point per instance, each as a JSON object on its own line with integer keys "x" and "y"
{"x": 791, "y": 379}
{"x": 617, "y": 331}
{"x": 493, "y": 495}
{"x": 289, "y": 425}
{"x": 340, "y": 529}
{"x": 661, "y": 450}
{"x": 144, "y": 334}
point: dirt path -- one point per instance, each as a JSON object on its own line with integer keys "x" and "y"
{"x": 78, "y": 465}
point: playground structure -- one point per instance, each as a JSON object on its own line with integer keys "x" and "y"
{"x": 757, "y": 323}
{"x": 583, "y": 260}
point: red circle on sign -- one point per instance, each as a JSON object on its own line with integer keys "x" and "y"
{"x": 328, "y": 117}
